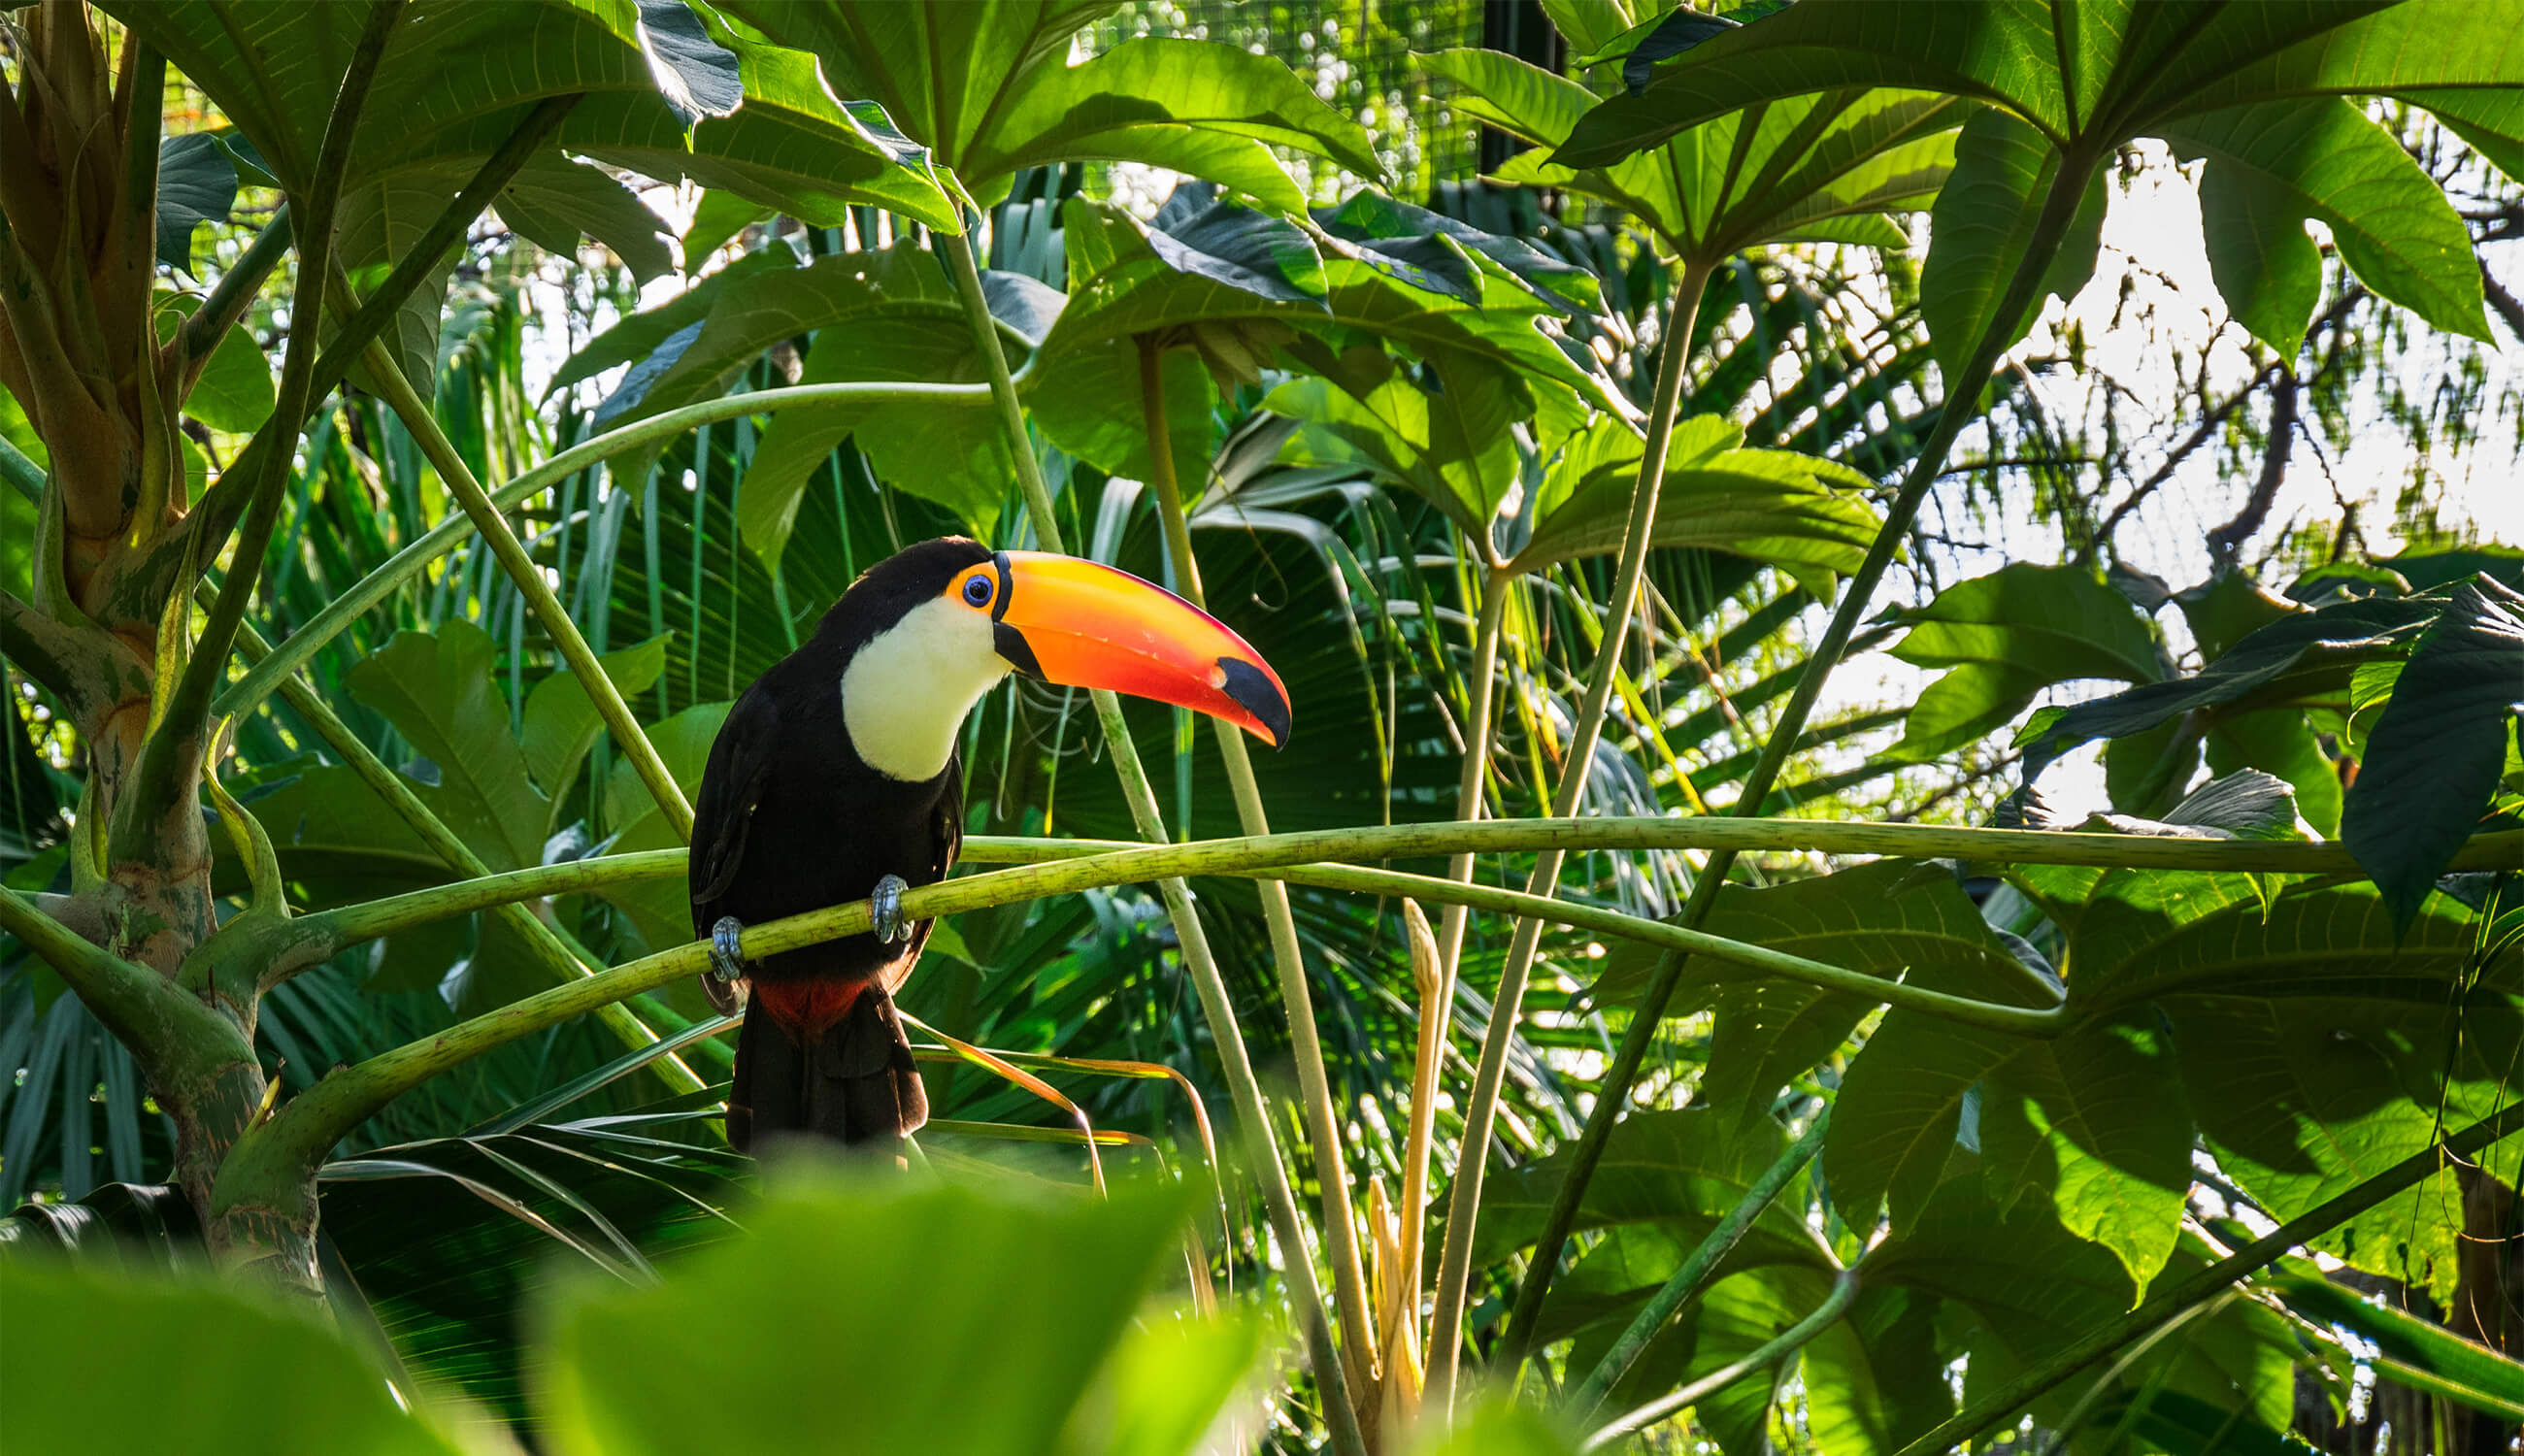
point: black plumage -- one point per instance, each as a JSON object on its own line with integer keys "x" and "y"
{"x": 791, "y": 819}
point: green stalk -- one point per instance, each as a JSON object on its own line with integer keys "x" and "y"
{"x": 230, "y": 297}
{"x": 171, "y": 757}
{"x": 1315, "y": 858}
{"x": 1331, "y": 1171}
{"x": 2216, "y": 1279}
{"x": 1189, "y": 936}
{"x": 487, "y": 518}
{"x": 325, "y": 1112}
{"x": 1471, "y": 1161}
{"x": 176, "y": 1037}
{"x": 2057, "y": 210}
{"x": 1696, "y": 1270}
{"x": 1470, "y": 800}
{"x": 379, "y": 584}
{"x": 1844, "y": 1290}
{"x": 324, "y": 928}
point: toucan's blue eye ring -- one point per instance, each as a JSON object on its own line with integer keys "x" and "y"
{"x": 977, "y": 590}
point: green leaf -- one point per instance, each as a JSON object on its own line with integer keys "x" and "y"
{"x": 451, "y": 1240}
{"x": 1811, "y": 167}
{"x": 2450, "y": 1365}
{"x": 2096, "y": 1120}
{"x": 2176, "y": 1422}
{"x": 1964, "y": 707}
{"x": 2432, "y": 760}
{"x": 1163, "y": 1387}
{"x": 717, "y": 217}
{"x": 439, "y": 692}
{"x": 1883, "y": 919}
{"x": 2300, "y": 1099}
{"x": 2278, "y": 741}
{"x": 234, "y": 392}
{"x": 645, "y": 334}
{"x": 2287, "y": 661}
{"x": 1805, "y": 515}
{"x": 2009, "y": 635}
{"x": 197, "y": 183}
{"x": 2265, "y": 267}
{"x": 1877, "y": 1380}
{"x": 1683, "y": 1169}
{"x": 2323, "y": 157}
{"x": 756, "y": 1343}
{"x": 2228, "y": 606}
{"x": 379, "y": 223}
{"x": 1980, "y": 229}
{"x": 553, "y": 200}
{"x": 560, "y": 720}
{"x": 990, "y": 89}
{"x": 190, "y": 1351}
{"x": 661, "y": 909}
{"x": 2064, "y": 70}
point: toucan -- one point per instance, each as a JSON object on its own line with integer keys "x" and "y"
{"x": 836, "y": 778}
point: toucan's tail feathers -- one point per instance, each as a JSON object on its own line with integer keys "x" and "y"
{"x": 856, "y": 1083}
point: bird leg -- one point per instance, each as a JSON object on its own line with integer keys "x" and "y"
{"x": 885, "y": 903}
{"x": 727, "y": 959}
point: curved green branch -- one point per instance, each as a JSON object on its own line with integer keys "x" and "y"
{"x": 1844, "y": 1291}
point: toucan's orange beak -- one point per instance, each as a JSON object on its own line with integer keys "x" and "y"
{"x": 1084, "y": 626}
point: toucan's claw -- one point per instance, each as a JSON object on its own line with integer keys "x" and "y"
{"x": 727, "y": 957}
{"x": 885, "y": 904}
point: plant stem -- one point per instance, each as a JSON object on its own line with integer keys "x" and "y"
{"x": 487, "y": 518}
{"x": 1472, "y": 1160}
{"x": 1331, "y": 1171}
{"x": 1844, "y": 1290}
{"x": 325, "y": 931}
{"x": 172, "y": 1033}
{"x": 1312, "y": 856}
{"x": 341, "y": 1100}
{"x": 171, "y": 757}
{"x": 339, "y": 613}
{"x": 1470, "y": 800}
{"x": 2215, "y": 1280}
{"x": 233, "y": 294}
{"x": 1696, "y": 1270}
{"x": 1193, "y": 941}
{"x": 1963, "y": 393}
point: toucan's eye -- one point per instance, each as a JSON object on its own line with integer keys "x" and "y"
{"x": 977, "y": 591}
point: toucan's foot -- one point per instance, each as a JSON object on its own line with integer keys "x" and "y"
{"x": 727, "y": 958}
{"x": 885, "y": 903}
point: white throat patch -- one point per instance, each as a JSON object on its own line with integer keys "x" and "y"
{"x": 906, "y": 692}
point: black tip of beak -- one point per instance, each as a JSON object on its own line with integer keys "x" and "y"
{"x": 1254, "y": 692}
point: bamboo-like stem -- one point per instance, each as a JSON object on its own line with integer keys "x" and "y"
{"x": 1961, "y": 396}
{"x": 521, "y": 567}
{"x": 171, "y": 757}
{"x": 339, "y": 613}
{"x": 320, "y": 935}
{"x": 324, "y": 1113}
{"x": 1471, "y": 1161}
{"x": 1314, "y": 856}
{"x": 1323, "y": 1125}
{"x": 2215, "y": 1280}
{"x": 1470, "y": 800}
{"x": 1694, "y": 1274}
{"x": 1190, "y": 937}
{"x": 233, "y": 294}
{"x": 1844, "y": 1291}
